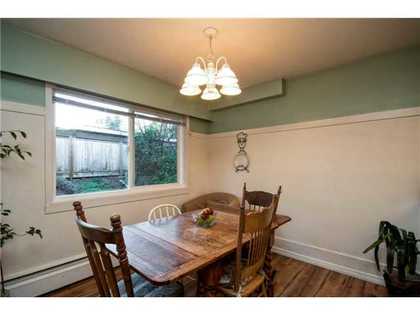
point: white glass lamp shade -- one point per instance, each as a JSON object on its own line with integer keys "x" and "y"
{"x": 196, "y": 76}
{"x": 231, "y": 90}
{"x": 189, "y": 90}
{"x": 225, "y": 76}
{"x": 210, "y": 93}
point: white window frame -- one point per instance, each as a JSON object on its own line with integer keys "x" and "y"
{"x": 133, "y": 193}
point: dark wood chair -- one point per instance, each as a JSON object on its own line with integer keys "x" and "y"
{"x": 211, "y": 200}
{"x": 94, "y": 240}
{"x": 256, "y": 200}
{"x": 247, "y": 273}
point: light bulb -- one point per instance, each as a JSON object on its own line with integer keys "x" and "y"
{"x": 210, "y": 93}
{"x": 225, "y": 76}
{"x": 196, "y": 76}
{"x": 189, "y": 90}
{"x": 231, "y": 90}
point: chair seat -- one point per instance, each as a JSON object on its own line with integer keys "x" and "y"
{"x": 143, "y": 288}
{"x": 245, "y": 290}
{"x": 247, "y": 287}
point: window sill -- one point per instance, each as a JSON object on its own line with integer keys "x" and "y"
{"x": 92, "y": 200}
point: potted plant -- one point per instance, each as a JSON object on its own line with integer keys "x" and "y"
{"x": 7, "y": 231}
{"x": 401, "y": 247}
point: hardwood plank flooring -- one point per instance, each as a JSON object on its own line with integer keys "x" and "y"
{"x": 294, "y": 278}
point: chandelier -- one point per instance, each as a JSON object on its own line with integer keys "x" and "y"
{"x": 212, "y": 73}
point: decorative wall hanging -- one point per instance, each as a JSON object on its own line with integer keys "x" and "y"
{"x": 241, "y": 160}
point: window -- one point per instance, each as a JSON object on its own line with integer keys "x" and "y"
{"x": 103, "y": 145}
{"x": 156, "y": 156}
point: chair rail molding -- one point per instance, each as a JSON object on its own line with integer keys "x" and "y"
{"x": 343, "y": 120}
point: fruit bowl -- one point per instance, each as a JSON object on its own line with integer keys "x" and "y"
{"x": 206, "y": 218}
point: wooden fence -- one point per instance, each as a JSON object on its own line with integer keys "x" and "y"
{"x": 83, "y": 153}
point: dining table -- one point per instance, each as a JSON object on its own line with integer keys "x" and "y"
{"x": 167, "y": 249}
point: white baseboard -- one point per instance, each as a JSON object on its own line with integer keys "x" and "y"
{"x": 356, "y": 267}
{"x": 47, "y": 281}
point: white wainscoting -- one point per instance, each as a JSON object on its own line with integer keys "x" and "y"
{"x": 329, "y": 228}
{"x": 340, "y": 177}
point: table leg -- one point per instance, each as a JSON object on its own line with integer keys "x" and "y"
{"x": 268, "y": 268}
{"x": 208, "y": 278}
{"x": 201, "y": 290}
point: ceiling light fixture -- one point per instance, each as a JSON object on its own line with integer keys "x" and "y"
{"x": 209, "y": 73}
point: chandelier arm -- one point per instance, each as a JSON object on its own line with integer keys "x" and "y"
{"x": 220, "y": 59}
{"x": 197, "y": 59}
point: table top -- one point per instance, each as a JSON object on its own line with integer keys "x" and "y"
{"x": 166, "y": 249}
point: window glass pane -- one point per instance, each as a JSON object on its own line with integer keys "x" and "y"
{"x": 155, "y": 152}
{"x": 90, "y": 102}
{"x": 91, "y": 150}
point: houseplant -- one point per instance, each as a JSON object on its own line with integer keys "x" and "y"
{"x": 7, "y": 231}
{"x": 401, "y": 247}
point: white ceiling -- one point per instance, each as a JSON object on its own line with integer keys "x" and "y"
{"x": 258, "y": 50}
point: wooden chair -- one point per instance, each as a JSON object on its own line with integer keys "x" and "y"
{"x": 162, "y": 211}
{"x": 256, "y": 200}
{"x": 101, "y": 264}
{"x": 248, "y": 275}
{"x": 208, "y": 200}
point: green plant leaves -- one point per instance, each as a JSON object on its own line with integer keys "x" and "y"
{"x": 5, "y": 212}
{"x": 34, "y": 231}
{"x": 6, "y": 230}
{"x": 399, "y": 243}
{"x": 14, "y": 133}
{"x": 6, "y": 150}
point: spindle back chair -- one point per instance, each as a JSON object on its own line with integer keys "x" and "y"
{"x": 257, "y": 200}
{"x": 100, "y": 260}
{"x": 248, "y": 274}
{"x": 163, "y": 211}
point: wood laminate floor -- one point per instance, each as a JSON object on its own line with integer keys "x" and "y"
{"x": 293, "y": 278}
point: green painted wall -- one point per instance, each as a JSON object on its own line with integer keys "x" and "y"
{"x": 22, "y": 90}
{"x": 378, "y": 83}
{"x": 29, "y": 55}
{"x": 200, "y": 125}
{"x": 29, "y": 91}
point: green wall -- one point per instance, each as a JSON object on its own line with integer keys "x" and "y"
{"x": 31, "y": 56}
{"x": 22, "y": 90}
{"x": 28, "y": 91}
{"x": 383, "y": 82}
{"x": 378, "y": 83}
{"x": 200, "y": 125}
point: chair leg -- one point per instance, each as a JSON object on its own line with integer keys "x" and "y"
{"x": 263, "y": 290}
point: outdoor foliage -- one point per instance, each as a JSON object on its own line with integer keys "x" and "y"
{"x": 156, "y": 153}
{"x": 155, "y": 161}
{"x": 89, "y": 184}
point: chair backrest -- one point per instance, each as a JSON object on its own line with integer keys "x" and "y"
{"x": 255, "y": 226}
{"x": 100, "y": 261}
{"x": 257, "y": 200}
{"x": 162, "y": 211}
{"x": 203, "y": 201}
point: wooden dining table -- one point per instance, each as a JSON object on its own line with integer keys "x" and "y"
{"x": 165, "y": 250}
